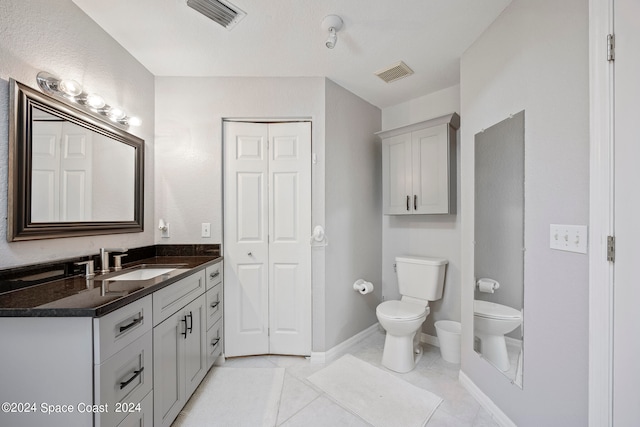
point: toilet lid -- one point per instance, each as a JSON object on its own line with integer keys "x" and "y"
{"x": 400, "y": 310}
{"x": 495, "y": 311}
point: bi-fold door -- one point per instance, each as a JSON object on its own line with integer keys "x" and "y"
{"x": 267, "y": 224}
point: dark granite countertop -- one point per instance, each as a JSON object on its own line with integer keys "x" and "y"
{"x": 78, "y": 297}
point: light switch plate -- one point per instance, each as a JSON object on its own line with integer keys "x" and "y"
{"x": 206, "y": 229}
{"x": 572, "y": 238}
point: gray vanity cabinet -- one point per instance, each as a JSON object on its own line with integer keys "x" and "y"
{"x": 139, "y": 363}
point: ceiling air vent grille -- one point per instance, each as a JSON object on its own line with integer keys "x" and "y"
{"x": 395, "y": 72}
{"x": 223, "y": 13}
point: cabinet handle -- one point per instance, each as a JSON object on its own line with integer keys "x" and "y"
{"x": 408, "y": 198}
{"x": 214, "y": 275}
{"x": 190, "y": 328}
{"x": 132, "y": 324}
{"x": 215, "y": 304}
{"x": 136, "y": 374}
{"x": 415, "y": 202}
{"x": 184, "y": 319}
{"x": 215, "y": 342}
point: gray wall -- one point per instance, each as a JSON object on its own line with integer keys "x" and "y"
{"x": 41, "y": 35}
{"x": 534, "y": 57}
{"x": 353, "y": 208}
{"x": 425, "y": 235}
{"x": 189, "y": 116}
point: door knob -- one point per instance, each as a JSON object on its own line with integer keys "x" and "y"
{"x": 249, "y": 253}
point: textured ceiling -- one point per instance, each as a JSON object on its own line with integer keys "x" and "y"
{"x": 283, "y": 38}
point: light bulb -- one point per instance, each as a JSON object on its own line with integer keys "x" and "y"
{"x": 116, "y": 113}
{"x": 95, "y": 101}
{"x": 134, "y": 121}
{"x": 70, "y": 87}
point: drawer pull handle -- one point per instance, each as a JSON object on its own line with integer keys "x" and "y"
{"x": 190, "y": 328}
{"x": 184, "y": 319}
{"x": 214, "y": 275}
{"x": 132, "y": 324}
{"x": 215, "y": 342}
{"x": 136, "y": 374}
{"x": 408, "y": 198}
{"x": 215, "y": 304}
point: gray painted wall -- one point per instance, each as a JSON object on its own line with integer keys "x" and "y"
{"x": 353, "y": 205}
{"x": 425, "y": 235}
{"x": 534, "y": 57}
{"x": 59, "y": 38}
{"x": 189, "y": 129}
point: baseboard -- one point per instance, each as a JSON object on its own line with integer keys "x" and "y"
{"x": 496, "y": 413}
{"x": 429, "y": 339}
{"x": 324, "y": 356}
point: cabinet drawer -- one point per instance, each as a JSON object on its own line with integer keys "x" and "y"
{"x": 214, "y": 305}
{"x": 214, "y": 275}
{"x": 172, "y": 298}
{"x": 214, "y": 343}
{"x": 120, "y": 328}
{"x": 127, "y": 377}
{"x": 140, "y": 416}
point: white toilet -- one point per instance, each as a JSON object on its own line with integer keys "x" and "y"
{"x": 491, "y": 321}
{"x": 420, "y": 280}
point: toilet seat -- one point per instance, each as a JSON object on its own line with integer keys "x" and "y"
{"x": 491, "y": 310}
{"x": 401, "y": 310}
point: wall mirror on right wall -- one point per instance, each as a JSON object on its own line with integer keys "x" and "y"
{"x": 499, "y": 246}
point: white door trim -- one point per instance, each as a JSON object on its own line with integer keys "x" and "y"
{"x": 600, "y": 215}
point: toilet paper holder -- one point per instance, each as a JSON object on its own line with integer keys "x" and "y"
{"x": 487, "y": 285}
{"x": 362, "y": 286}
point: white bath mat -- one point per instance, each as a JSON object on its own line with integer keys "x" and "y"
{"x": 235, "y": 397}
{"x": 377, "y": 396}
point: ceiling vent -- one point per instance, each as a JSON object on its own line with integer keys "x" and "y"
{"x": 224, "y": 13}
{"x": 395, "y": 72}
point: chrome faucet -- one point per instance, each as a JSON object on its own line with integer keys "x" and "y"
{"x": 104, "y": 258}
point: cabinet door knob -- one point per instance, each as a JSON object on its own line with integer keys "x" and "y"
{"x": 249, "y": 254}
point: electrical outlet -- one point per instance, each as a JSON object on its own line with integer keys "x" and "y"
{"x": 206, "y": 229}
{"x": 572, "y": 238}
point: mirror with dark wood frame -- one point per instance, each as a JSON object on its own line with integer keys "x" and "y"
{"x": 70, "y": 173}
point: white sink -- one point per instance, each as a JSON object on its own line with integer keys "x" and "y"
{"x": 142, "y": 274}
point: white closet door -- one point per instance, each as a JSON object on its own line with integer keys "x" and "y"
{"x": 267, "y": 224}
{"x": 76, "y": 171}
{"x": 289, "y": 231}
{"x": 246, "y": 249}
{"x": 45, "y": 173}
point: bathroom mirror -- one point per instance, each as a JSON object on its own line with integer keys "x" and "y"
{"x": 70, "y": 173}
{"x": 499, "y": 246}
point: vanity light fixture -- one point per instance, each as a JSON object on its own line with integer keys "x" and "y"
{"x": 332, "y": 24}
{"x": 71, "y": 90}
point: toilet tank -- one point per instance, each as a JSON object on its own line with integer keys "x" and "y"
{"x": 421, "y": 277}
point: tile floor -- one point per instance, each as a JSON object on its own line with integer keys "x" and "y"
{"x": 302, "y": 404}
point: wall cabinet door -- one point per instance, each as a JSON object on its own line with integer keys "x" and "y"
{"x": 419, "y": 167}
{"x": 431, "y": 170}
{"x": 396, "y": 170}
